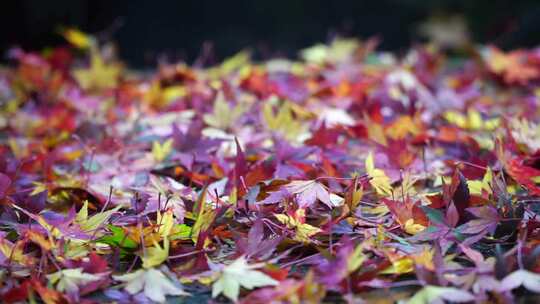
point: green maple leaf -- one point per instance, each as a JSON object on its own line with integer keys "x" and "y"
{"x": 119, "y": 239}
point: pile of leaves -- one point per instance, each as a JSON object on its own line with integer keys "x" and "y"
{"x": 346, "y": 175}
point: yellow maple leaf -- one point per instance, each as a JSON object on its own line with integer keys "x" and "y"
{"x": 159, "y": 96}
{"x": 477, "y": 187}
{"x": 375, "y": 131}
{"x": 165, "y": 223}
{"x": 339, "y": 50}
{"x": 205, "y": 215}
{"x": 90, "y": 224}
{"x": 425, "y": 258}
{"x": 223, "y": 116}
{"x": 472, "y": 120}
{"x": 43, "y": 242}
{"x": 283, "y": 121}
{"x": 400, "y": 266}
{"x": 229, "y": 65}
{"x": 157, "y": 254}
{"x": 78, "y": 38}
{"x": 402, "y": 127}
{"x": 15, "y": 252}
{"x": 378, "y": 178}
{"x": 303, "y": 231}
{"x": 99, "y": 75}
{"x": 161, "y": 151}
{"x": 413, "y": 228}
{"x": 356, "y": 259}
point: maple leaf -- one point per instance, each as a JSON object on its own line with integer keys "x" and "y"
{"x": 409, "y": 215}
{"x": 204, "y": 214}
{"x": 457, "y": 194}
{"x": 57, "y": 227}
{"x": 14, "y": 252}
{"x": 487, "y": 220}
{"x": 255, "y": 245}
{"x": 524, "y": 175}
{"x": 324, "y": 137}
{"x": 230, "y": 64}
{"x": 240, "y": 169}
{"x": 513, "y": 66}
{"x": 374, "y": 130}
{"x": 89, "y": 224}
{"x": 223, "y": 115}
{"x": 153, "y": 282}
{"x": 529, "y": 280}
{"x": 347, "y": 260}
{"x": 160, "y": 96}
{"x": 283, "y": 122}
{"x": 297, "y": 222}
{"x": 429, "y": 294}
{"x": 100, "y": 75}
{"x": 289, "y": 159}
{"x": 161, "y": 151}
{"x": 156, "y": 254}
{"x": 526, "y": 134}
{"x": 354, "y": 195}
{"x": 17, "y": 293}
{"x": 307, "y": 192}
{"x": 40, "y": 240}
{"x": 404, "y": 125}
{"x": 478, "y": 187}
{"x": 70, "y": 280}
{"x": 472, "y": 121}
{"x": 378, "y": 178}
{"x": 340, "y": 50}
{"x": 240, "y": 274}
{"x": 78, "y": 38}
{"x": 118, "y": 239}
{"x": 192, "y": 145}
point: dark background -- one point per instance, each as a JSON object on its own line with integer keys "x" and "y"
{"x": 147, "y": 30}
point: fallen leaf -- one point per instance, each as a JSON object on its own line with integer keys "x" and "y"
{"x": 152, "y": 282}
{"x": 70, "y": 280}
{"x": 378, "y": 179}
{"x": 240, "y": 274}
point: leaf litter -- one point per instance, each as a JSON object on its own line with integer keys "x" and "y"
{"x": 334, "y": 177}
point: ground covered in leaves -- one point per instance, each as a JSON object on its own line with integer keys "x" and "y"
{"x": 348, "y": 175}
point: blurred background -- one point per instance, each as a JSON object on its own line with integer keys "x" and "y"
{"x": 146, "y": 31}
